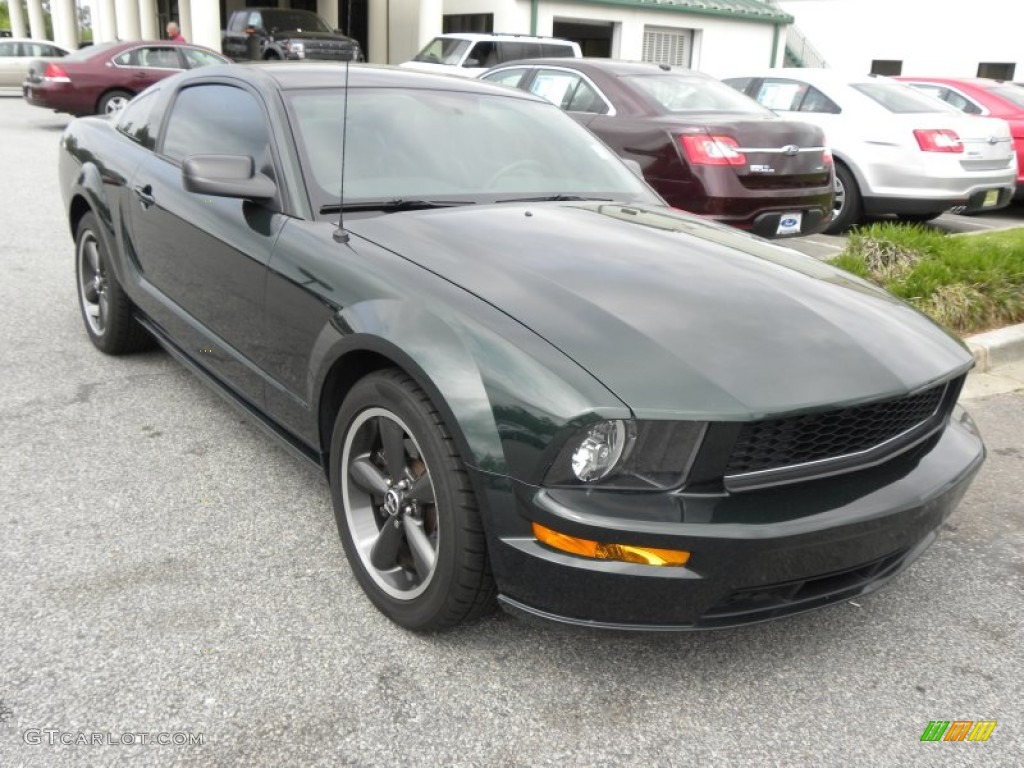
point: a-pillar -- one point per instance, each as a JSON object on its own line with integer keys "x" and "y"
{"x": 377, "y": 32}
{"x": 104, "y": 21}
{"x": 431, "y": 21}
{"x": 35, "y": 20}
{"x": 17, "y": 16}
{"x": 206, "y": 24}
{"x": 328, "y": 11}
{"x": 185, "y": 18}
{"x": 148, "y": 20}
{"x": 65, "y": 23}
{"x": 127, "y": 20}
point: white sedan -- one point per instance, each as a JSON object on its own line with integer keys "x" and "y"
{"x": 897, "y": 151}
{"x": 16, "y": 54}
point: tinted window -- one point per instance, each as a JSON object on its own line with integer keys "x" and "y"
{"x": 443, "y": 50}
{"x": 159, "y": 58}
{"x": 739, "y": 83}
{"x": 586, "y": 99}
{"x": 293, "y": 21}
{"x": 960, "y": 102}
{"x": 816, "y": 101}
{"x": 555, "y": 51}
{"x": 509, "y": 77}
{"x": 216, "y": 120}
{"x": 482, "y": 54}
{"x": 135, "y": 119}
{"x": 679, "y": 93}
{"x": 899, "y": 99}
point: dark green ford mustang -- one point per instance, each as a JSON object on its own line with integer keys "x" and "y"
{"x": 524, "y": 376}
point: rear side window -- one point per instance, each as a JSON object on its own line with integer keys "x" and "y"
{"x": 137, "y": 121}
{"x": 509, "y": 77}
{"x": 899, "y": 99}
{"x": 8, "y": 49}
{"x": 555, "y": 51}
{"x": 514, "y": 49}
{"x": 216, "y": 120}
{"x": 482, "y": 54}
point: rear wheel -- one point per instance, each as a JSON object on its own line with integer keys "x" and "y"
{"x": 106, "y": 310}
{"x": 847, "y": 208}
{"x": 113, "y": 101}
{"x": 406, "y": 513}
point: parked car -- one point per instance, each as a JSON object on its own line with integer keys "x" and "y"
{"x": 897, "y": 151}
{"x": 981, "y": 96}
{"x": 15, "y": 55}
{"x": 521, "y": 372}
{"x": 469, "y": 54}
{"x": 101, "y": 79}
{"x": 286, "y": 34}
{"x": 702, "y": 146}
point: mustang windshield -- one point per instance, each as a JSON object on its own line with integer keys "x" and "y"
{"x": 406, "y": 144}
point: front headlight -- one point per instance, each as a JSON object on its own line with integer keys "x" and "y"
{"x": 634, "y": 455}
{"x": 297, "y": 49}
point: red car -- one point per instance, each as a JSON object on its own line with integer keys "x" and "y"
{"x": 102, "y": 78}
{"x": 981, "y": 96}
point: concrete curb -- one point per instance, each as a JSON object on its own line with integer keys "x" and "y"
{"x": 999, "y": 347}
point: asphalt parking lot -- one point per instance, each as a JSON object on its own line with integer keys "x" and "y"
{"x": 167, "y": 569}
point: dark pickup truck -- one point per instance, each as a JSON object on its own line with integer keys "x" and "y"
{"x": 273, "y": 33}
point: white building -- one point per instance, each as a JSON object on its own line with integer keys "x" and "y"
{"x": 943, "y": 38}
{"x": 710, "y": 35}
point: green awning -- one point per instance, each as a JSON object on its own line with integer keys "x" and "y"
{"x": 747, "y": 10}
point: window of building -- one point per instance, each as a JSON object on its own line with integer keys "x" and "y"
{"x": 216, "y": 120}
{"x": 887, "y": 67}
{"x": 468, "y": 22}
{"x": 668, "y": 46}
{"x": 996, "y": 71}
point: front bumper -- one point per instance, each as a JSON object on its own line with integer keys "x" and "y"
{"x": 755, "y": 555}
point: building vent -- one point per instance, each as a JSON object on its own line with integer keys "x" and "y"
{"x": 668, "y": 46}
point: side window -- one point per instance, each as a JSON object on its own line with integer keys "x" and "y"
{"x": 195, "y": 57}
{"x": 8, "y": 49}
{"x": 255, "y": 20}
{"x": 783, "y": 95}
{"x": 961, "y": 103}
{"x": 216, "y": 120}
{"x": 816, "y": 101}
{"x": 159, "y": 58}
{"x": 555, "y": 86}
{"x": 586, "y": 99}
{"x": 509, "y": 77}
{"x": 514, "y": 50}
{"x": 128, "y": 58}
{"x": 739, "y": 83}
{"x": 136, "y": 120}
{"x": 555, "y": 51}
{"x": 483, "y": 54}
{"x": 52, "y": 50}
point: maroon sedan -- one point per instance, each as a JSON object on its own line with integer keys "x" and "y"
{"x": 704, "y": 147}
{"x": 981, "y": 96}
{"x": 102, "y": 78}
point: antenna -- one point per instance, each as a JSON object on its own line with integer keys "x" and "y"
{"x": 340, "y": 235}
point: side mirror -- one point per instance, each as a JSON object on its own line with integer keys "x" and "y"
{"x": 226, "y": 176}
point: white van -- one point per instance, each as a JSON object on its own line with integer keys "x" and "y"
{"x": 468, "y": 54}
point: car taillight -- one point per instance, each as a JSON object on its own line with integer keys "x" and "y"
{"x": 712, "y": 150}
{"x": 938, "y": 140}
{"x": 55, "y": 74}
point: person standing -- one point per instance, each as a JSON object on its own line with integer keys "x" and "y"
{"x": 174, "y": 33}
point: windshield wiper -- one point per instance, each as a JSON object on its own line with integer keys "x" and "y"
{"x": 392, "y": 205}
{"x": 554, "y": 198}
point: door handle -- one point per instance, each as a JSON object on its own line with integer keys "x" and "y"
{"x": 145, "y": 195}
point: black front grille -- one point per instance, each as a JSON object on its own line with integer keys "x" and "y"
{"x": 330, "y": 50}
{"x": 777, "y": 443}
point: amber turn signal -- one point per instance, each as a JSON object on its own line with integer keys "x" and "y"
{"x": 628, "y": 553}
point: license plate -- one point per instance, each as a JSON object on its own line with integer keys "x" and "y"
{"x": 789, "y": 223}
{"x": 991, "y": 198}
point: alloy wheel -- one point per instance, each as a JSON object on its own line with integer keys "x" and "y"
{"x": 92, "y": 284}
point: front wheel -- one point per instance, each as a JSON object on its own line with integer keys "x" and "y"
{"x": 406, "y": 513}
{"x": 846, "y": 210}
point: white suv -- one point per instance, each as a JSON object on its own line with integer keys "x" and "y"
{"x": 469, "y": 54}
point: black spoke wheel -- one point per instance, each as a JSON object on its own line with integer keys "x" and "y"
{"x": 106, "y": 310}
{"x": 406, "y": 513}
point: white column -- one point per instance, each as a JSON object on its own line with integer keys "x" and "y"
{"x": 65, "y": 23}
{"x": 377, "y": 32}
{"x": 127, "y": 20}
{"x": 328, "y": 11}
{"x": 104, "y": 21}
{"x": 431, "y": 22}
{"x": 185, "y": 18}
{"x": 18, "y": 28}
{"x": 148, "y": 20}
{"x": 206, "y": 24}
{"x": 35, "y": 19}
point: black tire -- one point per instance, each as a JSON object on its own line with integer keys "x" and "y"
{"x": 415, "y": 592}
{"x": 848, "y": 209}
{"x": 106, "y": 311}
{"x": 918, "y": 218}
{"x": 112, "y": 101}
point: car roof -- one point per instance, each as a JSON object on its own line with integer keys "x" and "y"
{"x": 977, "y": 82}
{"x": 34, "y": 40}
{"x": 615, "y": 67}
{"x": 810, "y": 75}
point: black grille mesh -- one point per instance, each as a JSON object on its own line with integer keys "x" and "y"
{"x": 776, "y": 443}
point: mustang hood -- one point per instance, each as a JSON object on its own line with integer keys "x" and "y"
{"x": 679, "y": 317}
